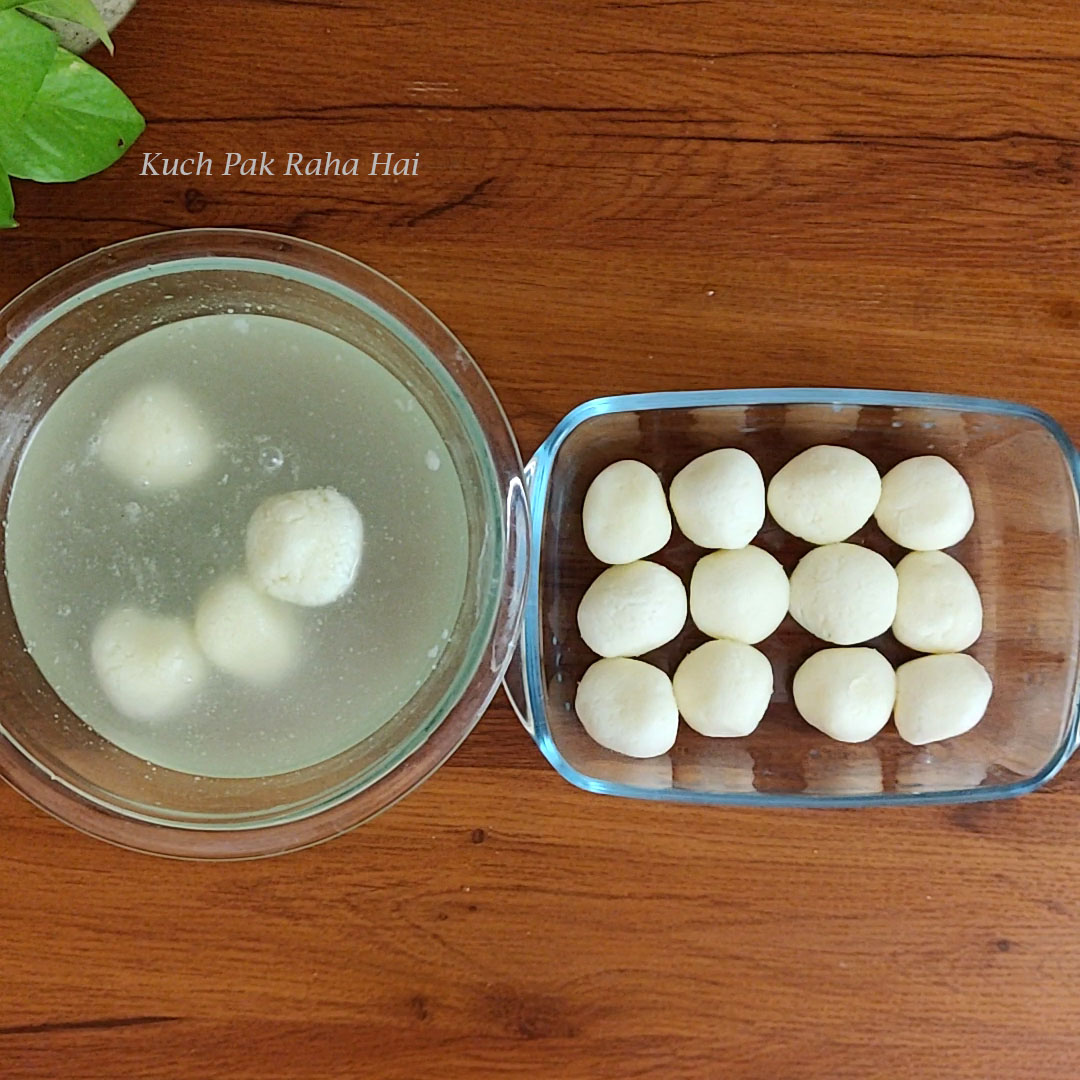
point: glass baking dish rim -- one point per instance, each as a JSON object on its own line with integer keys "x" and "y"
{"x": 537, "y": 478}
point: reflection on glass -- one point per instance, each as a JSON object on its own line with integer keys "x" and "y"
{"x": 939, "y": 768}
{"x": 723, "y": 766}
{"x": 843, "y": 769}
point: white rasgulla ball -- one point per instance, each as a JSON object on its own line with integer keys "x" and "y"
{"x": 149, "y": 666}
{"x": 925, "y": 504}
{"x": 631, "y": 609}
{"x": 625, "y": 513}
{"x": 305, "y": 546}
{"x": 628, "y": 706}
{"x": 940, "y": 697}
{"x": 719, "y": 499}
{"x": 843, "y": 593}
{"x": 846, "y": 693}
{"x": 155, "y": 438}
{"x": 723, "y": 688}
{"x": 938, "y": 608}
{"x": 825, "y": 494}
{"x": 246, "y": 633}
{"x": 741, "y": 594}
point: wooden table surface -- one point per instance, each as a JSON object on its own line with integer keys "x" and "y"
{"x": 612, "y": 195}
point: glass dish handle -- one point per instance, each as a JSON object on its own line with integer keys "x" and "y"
{"x": 516, "y": 694}
{"x": 514, "y": 684}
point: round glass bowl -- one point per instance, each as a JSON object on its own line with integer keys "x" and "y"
{"x": 63, "y": 324}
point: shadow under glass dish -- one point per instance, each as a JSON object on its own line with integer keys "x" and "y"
{"x": 74, "y": 317}
{"x": 1023, "y": 553}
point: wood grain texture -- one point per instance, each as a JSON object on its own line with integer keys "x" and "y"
{"x": 613, "y": 196}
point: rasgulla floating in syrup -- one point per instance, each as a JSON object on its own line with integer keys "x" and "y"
{"x": 304, "y": 547}
{"x": 149, "y": 666}
{"x": 246, "y": 633}
{"x": 155, "y": 438}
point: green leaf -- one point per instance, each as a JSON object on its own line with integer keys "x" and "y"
{"x": 81, "y": 12}
{"x": 26, "y": 50}
{"x": 79, "y": 123}
{"x": 7, "y": 203}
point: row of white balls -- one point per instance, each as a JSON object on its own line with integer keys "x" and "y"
{"x": 823, "y": 495}
{"x": 723, "y": 689}
{"x": 841, "y": 593}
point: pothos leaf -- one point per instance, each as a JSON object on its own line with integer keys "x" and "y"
{"x": 81, "y": 12}
{"x": 7, "y": 203}
{"x": 26, "y": 50}
{"x": 78, "y": 123}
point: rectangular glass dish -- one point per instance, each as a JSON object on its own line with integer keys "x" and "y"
{"x": 1023, "y": 553}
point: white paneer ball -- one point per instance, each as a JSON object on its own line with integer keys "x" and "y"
{"x": 149, "y": 666}
{"x": 843, "y": 593}
{"x": 925, "y": 504}
{"x": 940, "y": 697}
{"x": 825, "y": 494}
{"x": 741, "y": 594}
{"x": 723, "y": 688}
{"x": 628, "y": 706}
{"x": 719, "y": 499}
{"x": 625, "y": 514}
{"x": 938, "y": 608}
{"x": 305, "y": 546}
{"x": 846, "y": 693}
{"x": 631, "y": 609}
{"x": 155, "y": 438}
{"x": 246, "y": 633}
